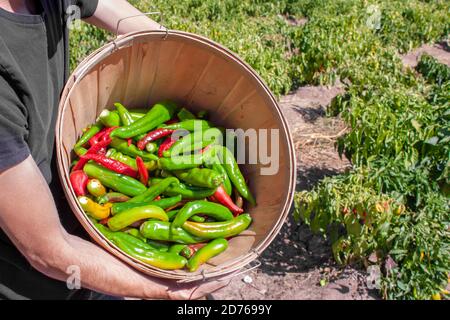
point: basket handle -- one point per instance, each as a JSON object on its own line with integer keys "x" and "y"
{"x": 140, "y": 15}
{"x": 245, "y": 270}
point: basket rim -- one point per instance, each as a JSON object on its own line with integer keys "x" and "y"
{"x": 218, "y": 271}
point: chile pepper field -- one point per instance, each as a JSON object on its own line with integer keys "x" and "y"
{"x": 365, "y": 86}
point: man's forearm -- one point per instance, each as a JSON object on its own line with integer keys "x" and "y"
{"x": 98, "y": 270}
{"x": 110, "y": 12}
{"x": 101, "y": 272}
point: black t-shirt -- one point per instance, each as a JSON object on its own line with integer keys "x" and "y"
{"x": 33, "y": 69}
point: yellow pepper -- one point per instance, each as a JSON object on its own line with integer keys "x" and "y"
{"x": 94, "y": 209}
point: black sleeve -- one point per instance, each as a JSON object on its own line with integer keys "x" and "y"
{"x": 87, "y": 7}
{"x": 13, "y": 127}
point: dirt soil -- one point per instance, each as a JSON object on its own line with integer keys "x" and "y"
{"x": 298, "y": 264}
{"x": 440, "y": 51}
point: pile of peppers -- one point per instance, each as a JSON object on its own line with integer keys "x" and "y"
{"x": 161, "y": 185}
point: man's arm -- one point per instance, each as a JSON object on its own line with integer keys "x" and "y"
{"x": 109, "y": 12}
{"x": 29, "y": 217}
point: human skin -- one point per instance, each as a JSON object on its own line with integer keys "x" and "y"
{"x": 33, "y": 224}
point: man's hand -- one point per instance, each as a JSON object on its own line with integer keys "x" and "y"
{"x": 110, "y": 12}
{"x": 29, "y": 217}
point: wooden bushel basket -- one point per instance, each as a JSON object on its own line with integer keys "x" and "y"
{"x": 142, "y": 68}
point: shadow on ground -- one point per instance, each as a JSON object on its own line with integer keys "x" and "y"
{"x": 296, "y": 248}
{"x": 310, "y": 114}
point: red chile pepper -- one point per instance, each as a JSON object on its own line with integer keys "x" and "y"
{"x": 95, "y": 149}
{"x": 130, "y": 141}
{"x": 104, "y": 221}
{"x": 152, "y": 136}
{"x": 143, "y": 173}
{"x": 222, "y": 197}
{"x": 101, "y": 135}
{"x": 166, "y": 145}
{"x": 111, "y": 164}
{"x": 97, "y": 137}
{"x": 98, "y": 148}
{"x": 79, "y": 181}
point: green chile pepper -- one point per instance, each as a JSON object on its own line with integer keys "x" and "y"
{"x": 185, "y": 114}
{"x": 234, "y": 173}
{"x": 151, "y": 147}
{"x": 80, "y": 151}
{"x": 109, "y": 118}
{"x": 118, "y": 182}
{"x": 159, "y": 113}
{"x": 171, "y": 214}
{"x": 130, "y": 161}
{"x": 136, "y": 115}
{"x": 135, "y": 233}
{"x": 197, "y": 219}
{"x": 189, "y": 193}
{"x": 203, "y": 177}
{"x": 113, "y": 197}
{"x": 189, "y": 125}
{"x": 110, "y": 235}
{"x": 156, "y": 258}
{"x": 138, "y": 112}
{"x": 162, "y": 203}
{"x": 180, "y": 162}
{"x": 213, "y": 230}
{"x": 186, "y": 192}
{"x": 124, "y": 114}
{"x": 143, "y": 251}
{"x": 213, "y": 163}
{"x": 131, "y": 150}
{"x": 158, "y": 245}
{"x": 128, "y": 217}
{"x": 88, "y": 134}
{"x": 210, "y": 209}
{"x": 162, "y": 231}
{"x": 181, "y": 249}
{"x": 196, "y": 146}
{"x": 207, "y": 252}
{"x": 195, "y": 140}
{"x": 154, "y": 190}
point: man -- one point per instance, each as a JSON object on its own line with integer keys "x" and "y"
{"x": 37, "y": 245}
